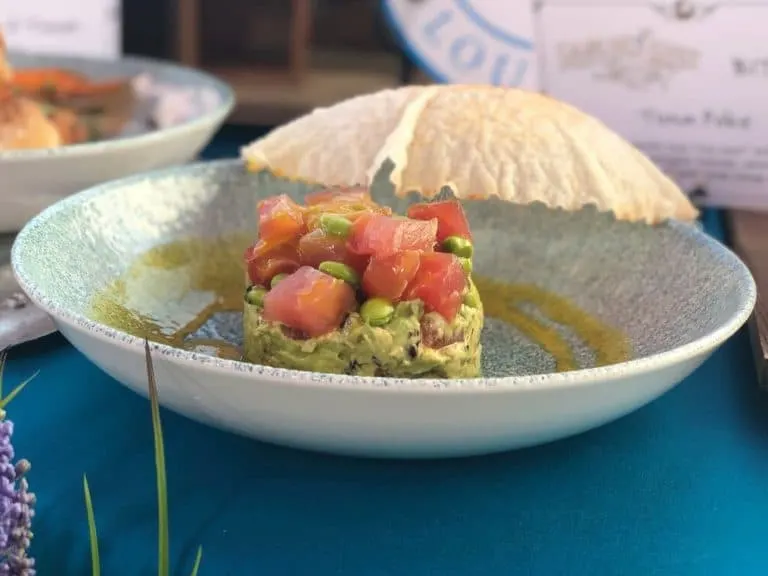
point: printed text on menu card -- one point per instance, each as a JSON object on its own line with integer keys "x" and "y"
{"x": 685, "y": 81}
{"x": 89, "y": 28}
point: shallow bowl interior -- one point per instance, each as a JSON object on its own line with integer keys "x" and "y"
{"x": 664, "y": 287}
{"x": 671, "y": 290}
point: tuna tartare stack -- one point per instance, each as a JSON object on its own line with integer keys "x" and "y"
{"x": 342, "y": 285}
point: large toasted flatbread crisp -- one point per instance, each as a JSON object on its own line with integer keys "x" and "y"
{"x": 481, "y": 141}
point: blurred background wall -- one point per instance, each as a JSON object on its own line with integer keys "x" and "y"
{"x": 283, "y": 57}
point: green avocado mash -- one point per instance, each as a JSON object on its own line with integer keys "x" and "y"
{"x": 411, "y": 345}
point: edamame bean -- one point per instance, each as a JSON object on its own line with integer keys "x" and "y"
{"x": 340, "y": 271}
{"x": 254, "y": 295}
{"x": 472, "y": 297}
{"x": 377, "y": 311}
{"x": 466, "y": 263}
{"x": 276, "y": 279}
{"x": 334, "y": 225}
{"x": 459, "y": 246}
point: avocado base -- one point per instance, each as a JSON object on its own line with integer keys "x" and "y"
{"x": 412, "y": 345}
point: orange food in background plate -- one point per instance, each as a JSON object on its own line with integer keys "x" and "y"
{"x": 38, "y": 102}
{"x": 33, "y": 80}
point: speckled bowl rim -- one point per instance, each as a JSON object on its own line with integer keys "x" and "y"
{"x": 636, "y": 367}
{"x": 126, "y": 143}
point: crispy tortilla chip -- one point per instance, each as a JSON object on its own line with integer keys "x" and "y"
{"x": 481, "y": 141}
{"x": 335, "y": 145}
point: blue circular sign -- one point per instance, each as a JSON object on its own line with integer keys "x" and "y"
{"x": 468, "y": 41}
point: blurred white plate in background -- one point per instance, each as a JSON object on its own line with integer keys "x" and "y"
{"x": 178, "y": 112}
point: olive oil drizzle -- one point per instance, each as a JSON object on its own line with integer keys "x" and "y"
{"x": 200, "y": 265}
{"x": 212, "y": 270}
{"x": 545, "y": 336}
{"x": 502, "y": 301}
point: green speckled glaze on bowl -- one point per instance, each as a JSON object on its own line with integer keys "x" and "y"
{"x": 676, "y": 293}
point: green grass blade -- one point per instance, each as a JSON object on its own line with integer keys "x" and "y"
{"x": 95, "y": 562}
{"x": 3, "y": 358}
{"x": 15, "y": 392}
{"x": 163, "y": 563}
{"x": 198, "y": 559}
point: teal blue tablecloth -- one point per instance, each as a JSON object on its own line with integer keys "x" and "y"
{"x": 679, "y": 488}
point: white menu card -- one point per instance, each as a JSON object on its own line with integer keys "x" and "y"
{"x": 89, "y": 28}
{"x": 686, "y": 81}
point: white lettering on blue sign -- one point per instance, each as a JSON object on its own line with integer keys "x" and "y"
{"x": 468, "y": 41}
{"x": 467, "y": 53}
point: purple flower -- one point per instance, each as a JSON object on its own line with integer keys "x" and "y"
{"x": 16, "y": 509}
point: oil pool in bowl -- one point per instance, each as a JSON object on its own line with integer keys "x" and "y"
{"x": 188, "y": 294}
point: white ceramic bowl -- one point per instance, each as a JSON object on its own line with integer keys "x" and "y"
{"x": 31, "y": 180}
{"x": 674, "y": 292}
